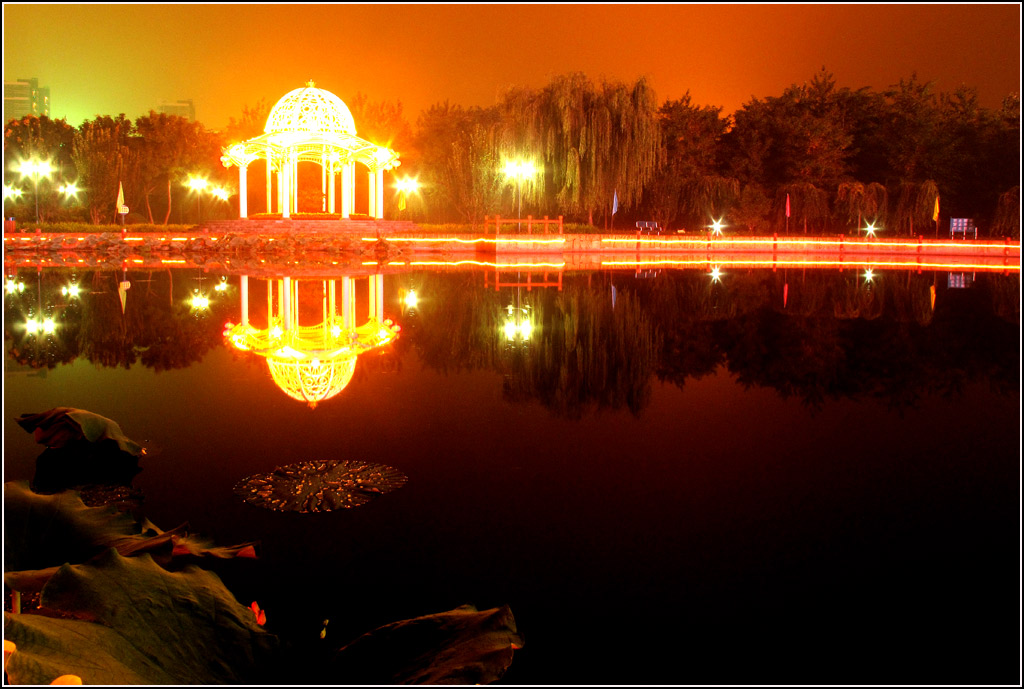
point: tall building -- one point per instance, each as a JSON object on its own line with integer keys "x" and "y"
{"x": 181, "y": 108}
{"x": 25, "y": 97}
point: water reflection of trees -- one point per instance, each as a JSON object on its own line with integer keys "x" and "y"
{"x": 812, "y": 336}
{"x": 158, "y": 327}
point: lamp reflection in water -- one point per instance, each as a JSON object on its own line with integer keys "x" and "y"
{"x": 313, "y": 363}
{"x": 518, "y": 326}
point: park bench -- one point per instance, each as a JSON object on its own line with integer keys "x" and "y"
{"x": 962, "y": 228}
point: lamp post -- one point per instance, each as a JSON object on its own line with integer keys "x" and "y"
{"x": 11, "y": 192}
{"x": 201, "y": 184}
{"x": 35, "y": 169}
{"x": 197, "y": 184}
{"x": 521, "y": 170}
{"x": 405, "y": 187}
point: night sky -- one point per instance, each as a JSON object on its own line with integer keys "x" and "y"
{"x": 128, "y": 58}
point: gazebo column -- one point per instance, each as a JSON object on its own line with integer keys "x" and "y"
{"x": 352, "y": 187}
{"x": 330, "y": 189}
{"x": 346, "y": 190}
{"x": 378, "y": 292}
{"x": 245, "y": 299}
{"x": 323, "y": 180}
{"x": 294, "y": 178}
{"x": 270, "y": 175}
{"x": 243, "y": 193}
{"x": 379, "y": 187}
{"x": 283, "y": 202}
{"x": 347, "y": 297}
{"x": 286, "y": 306}
{"x": 372, "y": 209}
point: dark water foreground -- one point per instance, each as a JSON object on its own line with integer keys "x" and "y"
{"x": 781, "y": 477}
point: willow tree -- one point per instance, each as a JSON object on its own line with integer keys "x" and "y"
{"x": 1007, "y": 221}
{"x": 593, "y": 142}
{"x": 915, "y": 204}
{"x": 856, "y": 199}
{"x": 459, "y": 154}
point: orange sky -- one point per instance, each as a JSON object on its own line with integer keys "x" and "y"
{"x": 107, "y": 59}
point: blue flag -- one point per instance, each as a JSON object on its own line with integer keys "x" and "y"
{"x": 615, "y": 202}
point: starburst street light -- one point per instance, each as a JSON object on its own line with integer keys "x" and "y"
{"x": 716, "y": 227}
{"x": 197, "y": 185}
{"x": 716, "y": 274}
{"x": 35, "y": 169}
{"x": 869, "y": 275}
{"x": 12, "y": 192}
{"x": 70, "y": 189}
{"x": 870, "y": 229}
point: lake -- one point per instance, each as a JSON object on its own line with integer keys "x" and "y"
{"x": 789, "y": 476}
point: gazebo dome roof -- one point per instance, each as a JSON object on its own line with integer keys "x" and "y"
{"x": 310, "y": 110}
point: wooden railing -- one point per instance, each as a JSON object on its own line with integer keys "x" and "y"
{"x": 529, "y": 222}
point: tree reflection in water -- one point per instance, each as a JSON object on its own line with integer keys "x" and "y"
{"x": 835, "y": 335}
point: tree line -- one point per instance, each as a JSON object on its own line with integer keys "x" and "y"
{"x": 819, "y": 158}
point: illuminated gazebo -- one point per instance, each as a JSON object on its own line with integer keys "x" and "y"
{"x": 313, "y": 363}
{"x": 314, "y": 125}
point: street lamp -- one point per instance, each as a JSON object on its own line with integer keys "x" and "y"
{"x": 520, "y": 169}
{"x": 716, "y": 227}
{"x": 871, "y": 229}
{"x": 70, "y": 189}
{"x": 405, "y": 187}
{"x": 35, "y": 169}
{"x": 197, "y": 184}
{"x": 11, "y": 192}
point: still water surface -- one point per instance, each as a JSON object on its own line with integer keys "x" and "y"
{"x": 789, "y": 477}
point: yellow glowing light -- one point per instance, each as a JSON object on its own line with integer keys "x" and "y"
{"x": 312, "y": 383}
{"x": 716, "y": 274}
{"x": 716, "y": 227}
{"x": 71, "y": 290}
{"x": 870, "y": 229}
{"x": 411, "y": 299}
{"x": 409, "y": 186}
{"x": 526, "y": 329}
{"x": 12, "y": 192}
{"x": 31, "y": 325}
{"x": 520, "y": 169}
{"x": 49, "y": 326}
{"x": 220, "y": 286}
{"x": 335, "y": 331}
{"x": 510, "y": 330}
{"x": 69, "y": 189}
{"x": 869, "y": 275}
{"x": 12, "y": 286}
{"x": 197, "y": 183}
{"x": 220, "y": 193}
{"x": 35, "y": 168}
{"x": 200, "y": 302}
{"x": 275, "y": 332}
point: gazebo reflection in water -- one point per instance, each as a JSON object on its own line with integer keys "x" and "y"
{"x": 313, "y": 363}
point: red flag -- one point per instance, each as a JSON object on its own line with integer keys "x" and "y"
{"x": 401, "y": 200}
{"x": 787, "y": 205}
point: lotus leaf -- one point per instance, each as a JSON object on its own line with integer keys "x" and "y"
{"x": 319, "y": 486}
{"x": 62, "y": 426}
{"x": 129, "y": 621}
{"x": 461, "y": 646}
{"x": 45, "y": 531}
